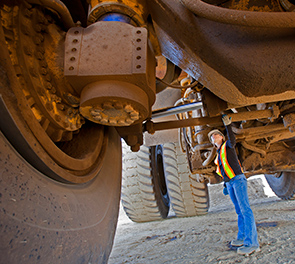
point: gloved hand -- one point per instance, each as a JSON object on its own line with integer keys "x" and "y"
{"x": 225, "y": 191}
{"x": 226, "y": 120}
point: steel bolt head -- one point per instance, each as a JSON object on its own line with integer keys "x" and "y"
{"x": 97, "y": 117}
{"x": 95, "y": 112}
{"x": 49, "y": 106}
{"x": 128, "y": 121}
{"x": 39, "y": 55}
{"x": 121, "y": 122}
{"x": 107, "y": 105}
{"x": 60, "y": 107}
{"x": 43, "y": 71}
{"x": 37, "y": 40}
{"x": 134, "y": 115}
{"x": 118, "y": 105}
{"x": 28, "y": 50}
{"x": 104, "y": 120}
{"x": 57, "y": 118}
{"x": 66, "y": 124}
{"x": 112, "y": 121}
{"x": 128, "y": 108}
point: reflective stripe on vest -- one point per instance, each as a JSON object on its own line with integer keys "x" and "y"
{"x": 218, "y": 171}
{"x": 227, "y": 168}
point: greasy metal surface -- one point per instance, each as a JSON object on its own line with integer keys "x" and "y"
{"x": 29, "y": 104}
{"x": 35, "y": 45}
{"x": 289, "y": 121}
{"x": 111, "y": 63}
{"x": 270, "y": 114}
{"x": 254, "y": 5}
{"x": 132, "y": 135}
{"x": 43, "y": 221}
{"x": 114, "y": 103}
{"x": 213, "y": 104}
{"x": 277, "y": 157}
{"x": 241, "y": 65}
{"x": 238, "y": 17}
{"x": 59, "y": 7}
{"x": 258, "y": 160}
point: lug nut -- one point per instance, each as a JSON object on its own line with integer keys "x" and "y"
{"x": 121, "y": 122}
{"x": 113, "y": 121}
{"x": 128, "y": 109}
{"x": 128, "y": 121}
{"x": 104, "y": 120}
{"x": 95, "y": 112}
{"x": 134, "y": 115}
{"x": 118, "y": 106}
{"x": 60, "y": 107}
{"x": 107, "y": 105}
{"x": 97, "y": 117}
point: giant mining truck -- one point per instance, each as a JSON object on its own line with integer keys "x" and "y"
{"x": 78, "y": 77}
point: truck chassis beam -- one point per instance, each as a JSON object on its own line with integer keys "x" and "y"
{"x": 152, "y": 127}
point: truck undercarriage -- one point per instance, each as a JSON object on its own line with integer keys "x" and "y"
{"x": 76, "y": 76}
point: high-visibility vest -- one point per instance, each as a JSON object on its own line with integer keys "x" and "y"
{"x": 227, "y": 168}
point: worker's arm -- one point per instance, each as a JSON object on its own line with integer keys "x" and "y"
{"x": 230, "y": 134}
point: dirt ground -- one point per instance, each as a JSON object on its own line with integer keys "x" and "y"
{"x": 205, "y": 239}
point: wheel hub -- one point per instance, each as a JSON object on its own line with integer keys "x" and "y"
{"x": 99, "y": 104}
{"x": 112, "y": 66}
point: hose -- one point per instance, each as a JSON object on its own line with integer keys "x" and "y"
{"x": 287, "y": 5}
{"x": 242, "y": 18}
{"x": 254, "y": 149}
{"x": 177, "y": 86}
{"x": 59, "y": 7}
{"x": 210, "y": 158}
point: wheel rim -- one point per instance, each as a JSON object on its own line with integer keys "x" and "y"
{"x": 158, "y": 173}
{"x": 69, "y": 148}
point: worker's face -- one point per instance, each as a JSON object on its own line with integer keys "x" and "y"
{"x": 217, "y": 139}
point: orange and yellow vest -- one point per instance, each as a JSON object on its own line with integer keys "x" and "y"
{"x": 225, "y": 164}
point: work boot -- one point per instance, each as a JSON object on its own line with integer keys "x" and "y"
{"x": 247, "y": 250}
{"x": 237, "y": 242}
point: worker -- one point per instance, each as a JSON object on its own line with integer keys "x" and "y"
{"x": 235, "y": 184}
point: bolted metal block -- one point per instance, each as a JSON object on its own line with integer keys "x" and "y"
{"x": 111, "y": 64}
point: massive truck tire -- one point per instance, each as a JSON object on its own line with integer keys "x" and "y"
{"x": 155, "y": 176}
{"x": 144, "y": 192}
{"x": 282, "y": 184}
{"x": 60, "y": 178}
{"x": 45, "y": 221}
{"x": 188, "y": 197}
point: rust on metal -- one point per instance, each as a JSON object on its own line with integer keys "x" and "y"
{"x": 239, "y": 17}
{"x": 289, "y": 121}
{"x": 221, "y": 56}
{"x": 38, "y": 102}
{"x": 112, "y": 66}
{"x": 151, "y": 127}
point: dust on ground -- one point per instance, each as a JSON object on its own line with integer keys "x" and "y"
{"x": 205, "y": 239}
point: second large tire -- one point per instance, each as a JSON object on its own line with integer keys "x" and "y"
{"x": 144, "y": 192}
{"x": 188, "y": 197}
{"x": 283, "y": 184}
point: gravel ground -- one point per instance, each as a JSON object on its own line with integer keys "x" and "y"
{"x": 205, "y": 239}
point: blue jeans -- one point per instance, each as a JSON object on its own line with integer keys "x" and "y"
{"x": 237, "y": 189}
